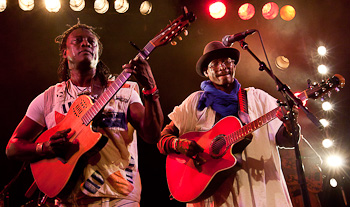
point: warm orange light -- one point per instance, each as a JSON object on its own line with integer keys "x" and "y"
{"x": 287, "y": 12}
{"x": 217, "y": 10}
{"x": 270, "y": 10}
{"x": 246, "y": 11}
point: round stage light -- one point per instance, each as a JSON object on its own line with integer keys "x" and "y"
{"x": 282, "y": 62}
{"x": 101, "y": 6}
{"x": 321, "y": 50}
{"x": 53, "y": 5}
{"x": 146, "y": 8}
{"x": 217, "y": 10}
{"x": 77, "y": 5}
{"x": 287, "y": 12}
{"x": 121, "y": 6}
{"x": 246, "y": 11}
{"x": 2, "y": 5}
{"x": 270, "y": 10}
{"x": 26, "y": 5}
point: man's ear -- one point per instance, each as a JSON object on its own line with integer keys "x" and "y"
{"x": 205, "y": 73}
{"x": 64, "y": 53}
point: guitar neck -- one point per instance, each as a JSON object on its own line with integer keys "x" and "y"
{"x": 162, "y": 38}
{"x": 107, "y": 95}
{"x": 240, "y": 134}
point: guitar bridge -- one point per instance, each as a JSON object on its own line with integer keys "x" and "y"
{"x": 218, "y": 147}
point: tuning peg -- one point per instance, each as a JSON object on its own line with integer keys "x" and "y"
{"x": 173, "y": 43}
{"x": 185, "y": 32}
{"x": 179, "y": 37}
{"x": 308, "y": 83}
{"x": 329, "y": 94}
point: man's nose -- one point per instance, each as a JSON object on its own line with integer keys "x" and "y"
{"x": 222, "y": 66}
{"x": 85, "y": 43}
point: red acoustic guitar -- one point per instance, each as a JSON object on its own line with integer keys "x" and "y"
{"x": 52, "y": 175}
{"x": 192, "y": 182}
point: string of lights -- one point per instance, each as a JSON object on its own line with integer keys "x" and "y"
{"x": 100, "y": 6}
{"x": 217, "y": 9}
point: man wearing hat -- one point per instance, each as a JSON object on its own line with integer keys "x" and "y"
{"x": 259, "y": 181}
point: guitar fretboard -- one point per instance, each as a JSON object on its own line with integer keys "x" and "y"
{"x": 107, "y": 95}
{"x": 239, "y": 134}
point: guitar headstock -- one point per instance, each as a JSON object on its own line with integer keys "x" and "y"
{"x": 175, "y": 27}
{"x": 319, "y": 89}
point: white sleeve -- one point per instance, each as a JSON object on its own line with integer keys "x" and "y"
{"x": 35, "y": 110}
{"x": 135, "y": 98}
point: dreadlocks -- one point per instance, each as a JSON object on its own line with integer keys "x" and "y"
{"x": 102, "y": 71}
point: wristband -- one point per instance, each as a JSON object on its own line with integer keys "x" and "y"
{"x": 39, "y": 148}
{"x": 174, "y": 144}
{"x": 153, "y": 96}
{"x": 150, "y": 91}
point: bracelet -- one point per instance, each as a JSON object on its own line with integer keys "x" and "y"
{"x": 153, "y": 96}
{"x": 150, "y": 91}
{"x": 174, "y": 143}
{"x": 39, "y": 148}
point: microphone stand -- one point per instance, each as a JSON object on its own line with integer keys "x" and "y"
{"x": 291, "y": 101}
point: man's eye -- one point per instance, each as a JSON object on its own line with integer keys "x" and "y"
{"x": 77, "y": 40}
{"x": 93, "y": 43}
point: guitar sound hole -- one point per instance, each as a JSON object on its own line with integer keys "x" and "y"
{"x": 218, "y": 146}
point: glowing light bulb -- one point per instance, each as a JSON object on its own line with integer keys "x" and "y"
{"x": 322, "y": 69}
{"x": 246, "y": 11}
{"x": 101, "y": 6}
{"x": 146, "y": 8}
{"x": 2, "y": 5}
{"x": 287, "y": 12}
{"x": 121, "y": 6}
{"x": 322, "y": 50}
{"x": 324, "y": 122}
{"x": 327, "y": 143}
{"x": 53, "y": 5}
{"x": 326, "y": 106}
{"x": 77, "y": 5}
{"x": 26, "y": 5}
{"x": 333, "y": 182}
{"x": 270, "y": 10}
{"x": 217, "y": 10}
{"x": 334, "y": 161}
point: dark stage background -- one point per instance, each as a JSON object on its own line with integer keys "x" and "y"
{"x": 29, "y": 60}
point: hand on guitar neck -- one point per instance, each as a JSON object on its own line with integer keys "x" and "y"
{"x": 141, "y": 71}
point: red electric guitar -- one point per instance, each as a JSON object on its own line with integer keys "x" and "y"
{"x": 192, "y": 182}
{"x": 52, "y": 175}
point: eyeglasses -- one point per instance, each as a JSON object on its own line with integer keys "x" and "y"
{"x": 220, "y": 62}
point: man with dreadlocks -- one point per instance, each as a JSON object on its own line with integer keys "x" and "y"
{"x": 110, "y": 176}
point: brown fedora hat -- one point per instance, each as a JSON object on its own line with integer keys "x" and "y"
{"x": 214, "y": 50}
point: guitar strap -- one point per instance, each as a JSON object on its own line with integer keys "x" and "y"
{"x": 243, "y": 106}
{"x": 242, "y": 100}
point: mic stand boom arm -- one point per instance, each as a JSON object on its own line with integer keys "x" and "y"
{"x": 291, "y": 101}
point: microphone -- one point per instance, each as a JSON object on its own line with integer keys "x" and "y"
{"x": 228, "y": 40}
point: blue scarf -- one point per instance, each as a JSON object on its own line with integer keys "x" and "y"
{"x": 223, "y": 103}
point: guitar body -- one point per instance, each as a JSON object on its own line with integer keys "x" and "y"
{"x": 188, "y": 183}
{"x": 51, "y": 175}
